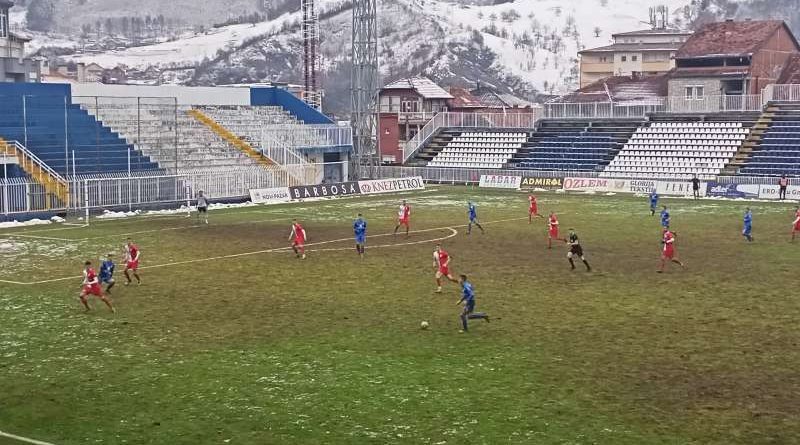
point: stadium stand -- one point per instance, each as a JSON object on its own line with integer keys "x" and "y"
{"x": 42, "y": 124}
{"x": 777, "y": 151}
{"x": 474, "y": 149}
{"x": 574, "y": 145}
{"x": 249, "y": 123}
{"x": 678, "y": 149}
{"x": 155, "y": 135}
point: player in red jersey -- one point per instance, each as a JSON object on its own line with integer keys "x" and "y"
{"x": 552, "y": 230}
{"x": 796, "y": 223}
{"x": 668, "y": 252}
{"x": 91, "y": 286}
{"x": 533, "y": 209}
{"x": 441, "y": 264}
{"x": 132, "y": 254}
{"x": 403, "y": 218}
{"x": 298, "y": 238}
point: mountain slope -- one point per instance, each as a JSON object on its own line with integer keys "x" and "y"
{"x": 525, "y": 47}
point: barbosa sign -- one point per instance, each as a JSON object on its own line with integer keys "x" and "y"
{"x": 375, "y": 186}
{"x": 324, "y": 190}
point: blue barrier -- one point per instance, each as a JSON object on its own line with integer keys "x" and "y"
{"x": 273, "y": 96}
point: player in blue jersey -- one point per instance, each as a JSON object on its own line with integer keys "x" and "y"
{"x": 653, "y": 202}
{"x": 468, "y": 298}
{"x": 360, "y": 232}
{"x": 665, "y": 218}
{"x": 473, "y": 218}
{"x": 107, "y": 272}
{"x": 748, "y": 225}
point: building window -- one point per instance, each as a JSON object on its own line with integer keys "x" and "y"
{"x": 634, "y": 58}
{"x": 603, "y": 59}
{"x": 699, "y": 92}
{"x": 3, "y": 23}
{"x": 624, "y": 58}
{"x": 695, "y": 92}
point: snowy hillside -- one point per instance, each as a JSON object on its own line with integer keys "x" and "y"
{"x": 538, "y": 40}
{"x": 523, "y": 47}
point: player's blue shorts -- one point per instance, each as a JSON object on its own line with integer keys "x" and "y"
{"x": 107, "y": 280}
{"x": 747, "y": 229}
{"x": 470, "y": 306}
{"x": 473, "y": 219}
{"x": 664, "y": 223}
{"x": 361, "y": 239}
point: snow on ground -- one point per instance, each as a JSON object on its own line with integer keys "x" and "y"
{"x": 191, "y": 49}
{"x": 15, "y": 223}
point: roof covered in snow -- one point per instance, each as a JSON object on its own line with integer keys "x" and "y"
{"x": 425, "y": 87}
{"x": 620, "y": 89}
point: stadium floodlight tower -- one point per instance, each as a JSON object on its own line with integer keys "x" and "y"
{"x": 364, "y": 89}
{"x": 310, "y": 27}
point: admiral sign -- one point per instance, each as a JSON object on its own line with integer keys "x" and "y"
{"x": 501, "y": 182}
{"x": 585, "y": 184}
{"x": 270, "y": 196}
{"x": 391, "y": 185}
{"x": 542, "y": 183}
{"x": 324, "y": 190}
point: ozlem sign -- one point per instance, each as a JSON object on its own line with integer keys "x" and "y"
{"x": 542, "y": 183}
{"x": 585, "y": 184}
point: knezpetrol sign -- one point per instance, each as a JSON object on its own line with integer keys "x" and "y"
{"x": 391, "y": 185}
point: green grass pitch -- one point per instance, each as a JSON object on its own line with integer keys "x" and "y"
{"x": 231, "y": 339}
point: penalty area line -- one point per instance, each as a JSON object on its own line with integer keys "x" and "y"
{"x": 24, "y": 439}
{"x": 453, "y": 230}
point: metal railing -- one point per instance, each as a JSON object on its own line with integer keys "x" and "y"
{"x": 602, "y": 110}
{"x": 640, "y": 110}
{"x": 468, "y": 120}
{"x": 472, "y": 175}
{"x": 782, "y": 93}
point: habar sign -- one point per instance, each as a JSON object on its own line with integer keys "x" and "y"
{"x": 542, "y": 183}
{"x": 585, "y": 184}
{"x": 501, "y": 182}
{"x": 391, "y": 185}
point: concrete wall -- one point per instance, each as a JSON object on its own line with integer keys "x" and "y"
{"x": 677, "y": 87}
{"x": 185, "y": 95}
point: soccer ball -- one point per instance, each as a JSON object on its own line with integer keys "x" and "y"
{"x": 424, "y": 325}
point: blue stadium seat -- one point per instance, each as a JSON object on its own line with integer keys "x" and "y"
{"x": 42, "y": 127}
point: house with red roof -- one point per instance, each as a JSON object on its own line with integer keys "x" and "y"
{"x": 732, "y": 58}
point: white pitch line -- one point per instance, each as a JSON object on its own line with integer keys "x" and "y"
{"x": 275, "y": 249}
{"x": 24, "y": 439}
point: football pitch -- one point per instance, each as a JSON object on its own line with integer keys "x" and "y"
{"x": 231, "y": 339}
